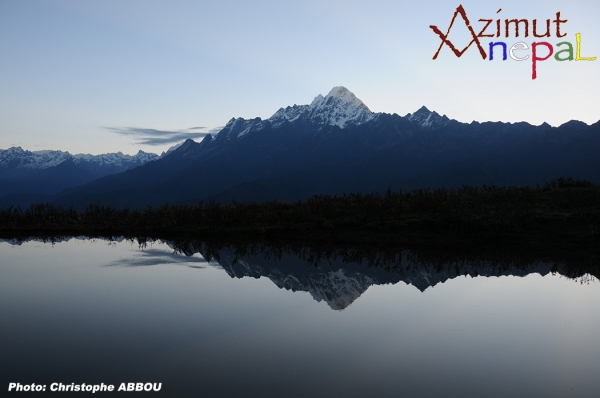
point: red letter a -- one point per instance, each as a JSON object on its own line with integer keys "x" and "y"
{"x": 459, "y": 10}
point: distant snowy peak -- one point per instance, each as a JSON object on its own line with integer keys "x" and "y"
{"x": 117, "y": 159}
{"x": 428, "y": 119}
{"x": 237, "y": 128}
{"x": 338, "y": 108}
{"x": 18, "y": 158}
{"x": 145, "y": 157}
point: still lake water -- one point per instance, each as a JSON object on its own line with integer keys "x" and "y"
{"x": 97, "y": 311}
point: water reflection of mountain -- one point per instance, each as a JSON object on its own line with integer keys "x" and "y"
{"x": 339, "y": 282}
{"x": 339, "y": 276}
{"x": 335, "y": 282}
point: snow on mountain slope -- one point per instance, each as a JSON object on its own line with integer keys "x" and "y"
{"x": 117, "y": 159}
{"x": 289, "y": 113}
{"x": 237, "y": 128}
{"x": 338, "y": 108}
{"x": 171, "y": 149}
{"x": 428, "y": 119}
{"x": 18, "y": 158}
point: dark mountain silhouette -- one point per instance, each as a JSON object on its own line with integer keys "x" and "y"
{"x": 336, "y": 145}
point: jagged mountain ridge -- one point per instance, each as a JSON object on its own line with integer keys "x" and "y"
{"x": 339, "y": 107}
{"x": 16, "y": 157}
{"x": 428, "y": 119}
{"x": 49, "y": 172}
{"x": 336, "y": 145}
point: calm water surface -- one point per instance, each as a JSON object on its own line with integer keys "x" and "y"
{"x": 95, "y": 311}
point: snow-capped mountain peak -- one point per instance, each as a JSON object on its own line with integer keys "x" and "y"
{"x": 340, "y": 107}
{"x": 318, "y": 99}
{"x": 345, "y": 95}
{"x": 428, "y": 119}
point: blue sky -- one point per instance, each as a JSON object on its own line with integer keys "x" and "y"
{"x": 96, "y": 76}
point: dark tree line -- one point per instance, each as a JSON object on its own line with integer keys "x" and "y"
{"x": 561, "y": 206}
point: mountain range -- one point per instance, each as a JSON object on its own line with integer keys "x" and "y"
{"x": 333, "y": 146}
{"x": 50, "y": 172}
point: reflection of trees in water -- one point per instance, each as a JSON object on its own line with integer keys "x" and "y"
{"x": 585, "y": 279}
{"x": 484, "y": 261}
{"x": 398, "y": 260}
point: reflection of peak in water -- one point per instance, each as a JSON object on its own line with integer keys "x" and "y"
{"x": 340, "y": 290}
{"x": 334, "y": 282}
{"x": 342, "y": 277}
{"x": 339, "y": 283}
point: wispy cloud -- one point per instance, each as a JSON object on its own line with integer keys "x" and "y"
{"x": 155, "y": 137}
{"x": 151, "y": 257}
